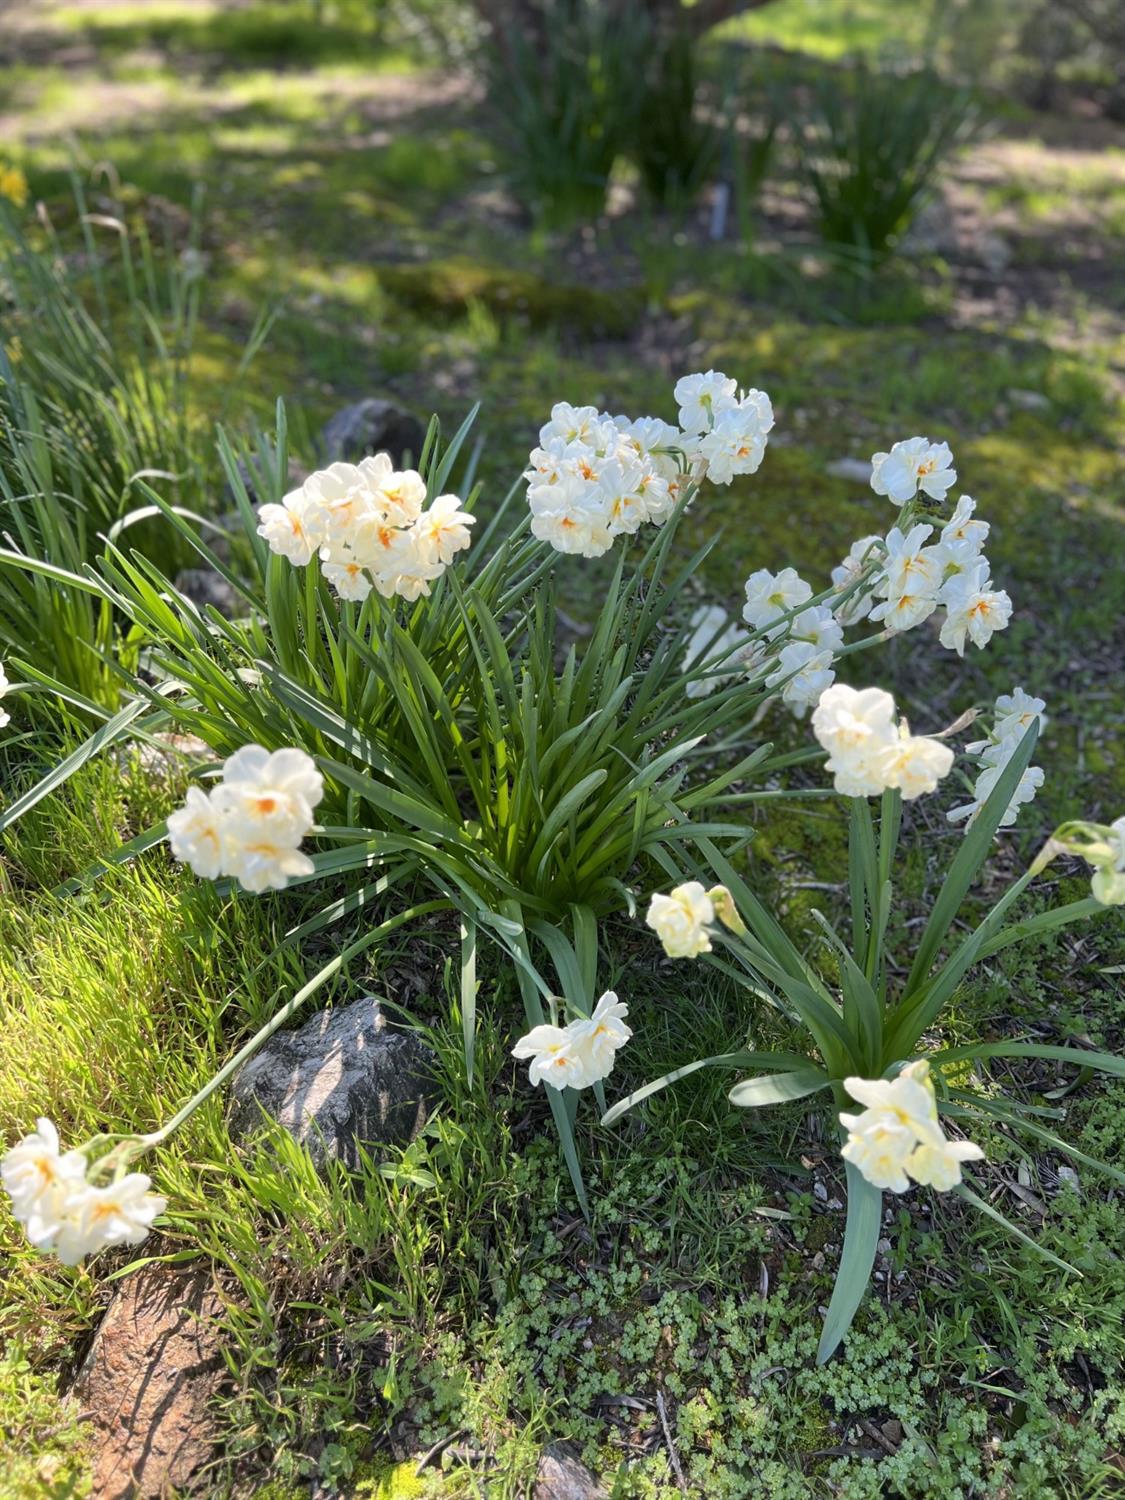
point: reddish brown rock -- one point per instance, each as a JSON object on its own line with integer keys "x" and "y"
{"x": 147, "y": 1382}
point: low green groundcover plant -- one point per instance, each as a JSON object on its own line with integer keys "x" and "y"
{"x": 394, "y": 692}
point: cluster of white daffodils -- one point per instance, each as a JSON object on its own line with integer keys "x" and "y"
{"x": 596, "y": 477}
{"x": 252, "y": 822}
{"x": 806, "y": 639}
{"x": 869, "y": 752}
{"x": 898, "y": 1137}
{"x": 61, "y": 1208}
{"x": 578, "y": 1054}
{"x": 5, "y": 717}
{"x": 952, "y": 573}
{"x": 726, "y": 429}
{"x": 683, "y": 920}
{"x": 1014, "y": 714}
{"x": 905, "y": 576}
{"x": 366, "y": 524}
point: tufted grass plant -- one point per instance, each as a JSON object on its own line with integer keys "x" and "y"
{"x": 471, "y": 766}
{"x": 877, "y": 144}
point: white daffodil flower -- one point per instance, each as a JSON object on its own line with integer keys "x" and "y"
{"x": 681, "y": 920}
{"x": 701, "y": 398}
{"x": 771, "y": 595}
{"x": 898, "y": 1137}
{"x": 975, "y": 610}
{"x": 910, "y": 466}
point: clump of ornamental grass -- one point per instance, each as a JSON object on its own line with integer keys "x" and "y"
{"x": 99, "y": 333}
{"x": 392, "y": 700}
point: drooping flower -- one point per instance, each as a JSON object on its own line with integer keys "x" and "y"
{"x": 35, "y": 1172}
{"x": 61, "y": 1210}
{"x": 772, "y": 595}
{"x": 910, "y": 466}
{"x": 681, "y": 920}
{"x": 975, "y": 609}
{"x": 5, "y": 717}
{"x": 121, "y": 1213}
{"x": 898, "y": 1136}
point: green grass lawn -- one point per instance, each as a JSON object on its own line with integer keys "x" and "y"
{"x": 457, "y": 1290}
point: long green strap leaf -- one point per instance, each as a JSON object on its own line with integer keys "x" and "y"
{"x": 720, "y": 1060}
{"x": 861, "y": 1239}
{"x": 778, "y": 1088}
{"x": 986, "y": 1208}
{"x": 1102, "y": 1062}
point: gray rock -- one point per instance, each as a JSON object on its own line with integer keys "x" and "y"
{"x": 373, "y": 426}
{"x": 341, "y": 1081}
{"x": 563, "y": 1476}
{"x": 857, "y": 469}
{"x": 203, "y": 587}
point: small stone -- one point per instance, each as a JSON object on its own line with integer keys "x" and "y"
{"x": 857, "y": 469}
{"x": 373, "y": 426}
{"x": 148, "y": 1382}
{"x": 203, "y": 587}
{"x": 1068, "y": 1177}
{"x": 820, "y": 1191}
{"x": 342, "y": 1081}
{"x": 1029, "y": 400}
{"x": 563, "y": 1476}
